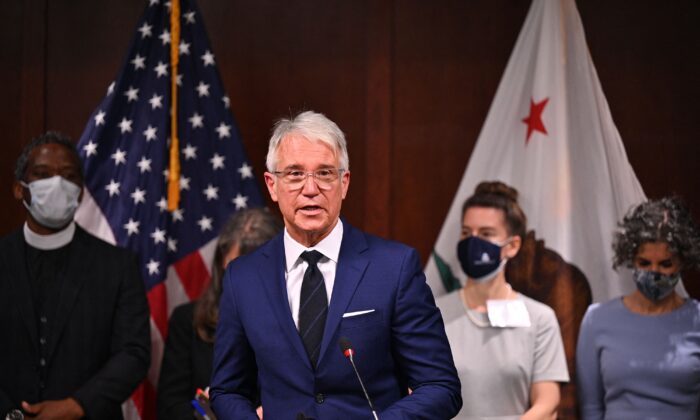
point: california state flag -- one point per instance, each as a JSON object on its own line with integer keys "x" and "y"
{"x": 549, "y": 133}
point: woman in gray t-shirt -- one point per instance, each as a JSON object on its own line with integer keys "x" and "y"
{"x": 507, "y": 347}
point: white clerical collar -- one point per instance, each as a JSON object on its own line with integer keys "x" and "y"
{"x": 329, "y": 246}
{"x": 52, "y": 241}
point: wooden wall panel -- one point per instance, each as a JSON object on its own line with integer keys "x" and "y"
{"x": 647, "y": 60}
{"x": 410, "y": 82}
{"x": 22, "y": 89}
{"x": 448, "y": 59}
{"x": 378, "y": 113}
{"x": 280, "y": 58}
{"x": 646, "y": 56}
{"x": 86, "y": 45}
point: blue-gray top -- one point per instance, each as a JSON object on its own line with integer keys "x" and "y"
{"x": 633, "y": 366}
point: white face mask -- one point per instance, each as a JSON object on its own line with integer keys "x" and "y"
{"x": 54, "y": 201}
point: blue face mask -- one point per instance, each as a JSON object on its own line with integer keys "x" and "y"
{"x": 479, "y": 258}
{"x": 655, "y": 286}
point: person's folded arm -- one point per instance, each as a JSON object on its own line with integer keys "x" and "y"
{"x": 544, "y": 401}
{"x": 234, "y": 378}
{"x": 421, "y": 351}
{"x": 5, "y": 404}
{"x": 588, "y": 378}
{"x": 130, "y": 347}
{"x": 175, "y": 389}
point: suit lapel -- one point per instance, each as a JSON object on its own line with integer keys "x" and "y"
{"x": 16, "y": 262}
{"x": 272, "y": 276}
{"x": 351, "y": 267}
{"x": 73, "y": 279}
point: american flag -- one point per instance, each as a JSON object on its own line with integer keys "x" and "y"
{"x": 125, "y": 152}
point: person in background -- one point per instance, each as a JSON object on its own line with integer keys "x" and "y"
{"x": 187, "y": 359}
{"x": 74, "y": 317}
{"x": 638, "y": 356}
{"x": 507, "y": 347}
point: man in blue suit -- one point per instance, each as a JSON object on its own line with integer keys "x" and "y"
{"x": 285, "y": 306}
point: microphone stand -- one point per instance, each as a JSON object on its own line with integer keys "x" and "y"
{"x": 371, "y": 406}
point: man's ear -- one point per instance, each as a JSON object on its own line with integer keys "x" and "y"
{"x": 18, "y": 190}
{"x": 345, "y": 183}
{"x": 270, "y": 183}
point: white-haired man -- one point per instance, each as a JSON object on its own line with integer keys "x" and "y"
{"x": 286, "y": 306}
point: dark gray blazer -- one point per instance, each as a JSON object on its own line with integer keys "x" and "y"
{"x": 99, "y": 343}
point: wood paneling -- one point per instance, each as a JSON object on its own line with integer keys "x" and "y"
{"x": 87, "y": 42}
{"x": 410, "y": 83}
{"x": 22, "y": 89}
{"x": 280, "y": 58}
{"x": 448, "y": 60}
{"x": 646, "y": 56}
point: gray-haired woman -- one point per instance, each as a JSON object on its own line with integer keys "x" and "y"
{"x": 638, "y": 356}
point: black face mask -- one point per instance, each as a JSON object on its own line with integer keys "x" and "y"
{"x": 479, "y": 258}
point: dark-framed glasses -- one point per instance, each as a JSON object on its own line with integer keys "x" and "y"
{"x": 296, "y": 178}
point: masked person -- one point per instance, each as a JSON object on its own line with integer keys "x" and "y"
{"x": 638, "y": 356}
{"x": 73, "y": 311}
{"x": 507, "y": 347}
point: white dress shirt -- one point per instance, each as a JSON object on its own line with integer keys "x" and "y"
{"x": 295, "y": 268}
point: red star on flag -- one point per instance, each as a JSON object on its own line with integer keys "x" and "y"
{"x": 534, "y": 120}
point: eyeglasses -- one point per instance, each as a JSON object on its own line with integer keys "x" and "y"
{"x": 296, "y": 178}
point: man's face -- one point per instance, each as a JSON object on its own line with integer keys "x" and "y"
{"x": 46, "y": 161}
{"x": 50, "y": 160}
{"x": 309, "y": 213}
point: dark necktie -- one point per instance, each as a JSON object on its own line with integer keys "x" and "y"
{"x": 313, "y": 306}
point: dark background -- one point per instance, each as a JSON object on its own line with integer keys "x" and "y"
{"x": 410, "y": 82}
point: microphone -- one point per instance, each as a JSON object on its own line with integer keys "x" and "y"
{"x": 346, "y": 348}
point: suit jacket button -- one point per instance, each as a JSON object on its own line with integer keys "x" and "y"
{"x": 319, "y": 398}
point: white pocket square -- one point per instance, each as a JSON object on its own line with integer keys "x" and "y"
{"x": 356, "y": 313}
